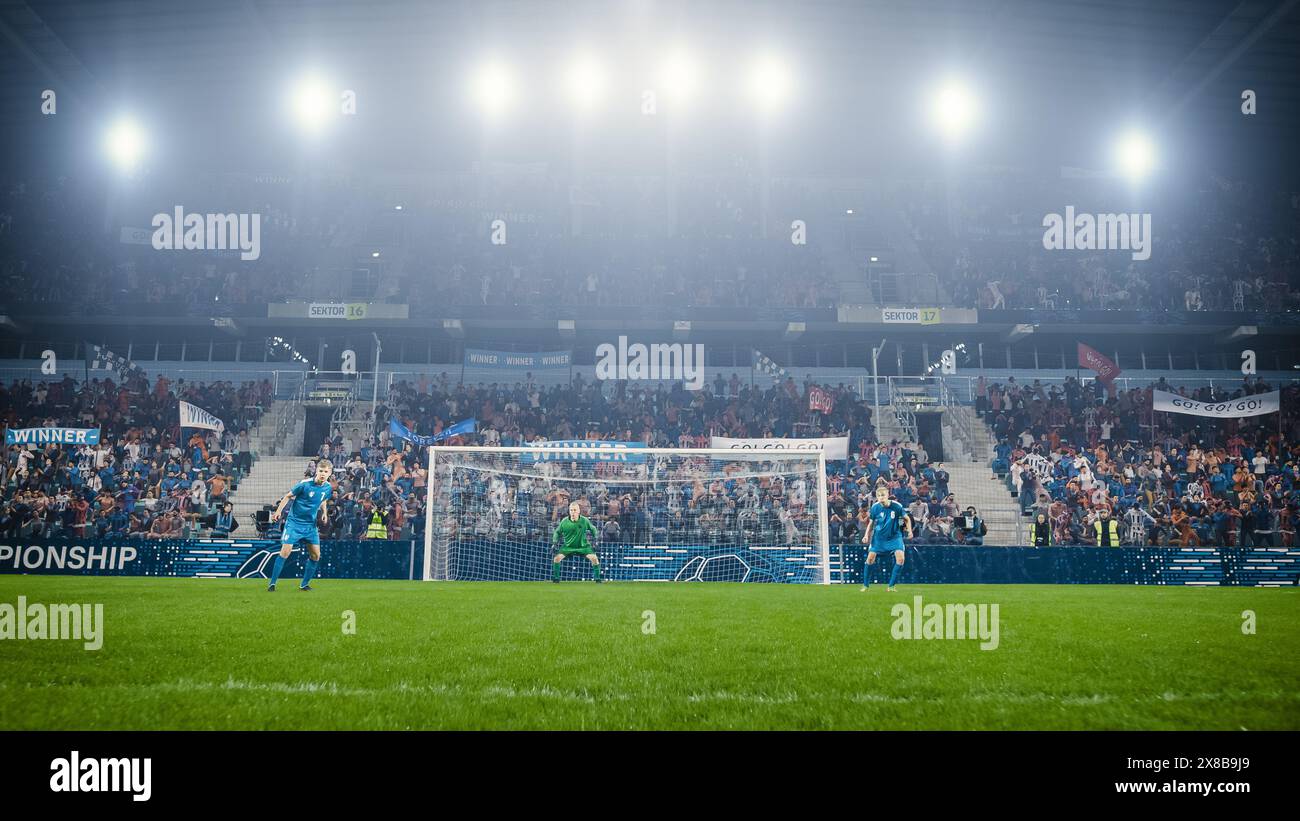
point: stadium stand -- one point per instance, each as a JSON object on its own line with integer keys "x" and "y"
{"x": 1070, "y": 455}
{"x": 1049, "y": 444}
{"x": 144, "y": 478}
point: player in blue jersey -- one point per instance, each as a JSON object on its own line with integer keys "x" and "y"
{"x": 888, "y": 522}
{"x": 310, "y": 500}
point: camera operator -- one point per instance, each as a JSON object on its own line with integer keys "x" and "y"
{"x": 972, "y": 527}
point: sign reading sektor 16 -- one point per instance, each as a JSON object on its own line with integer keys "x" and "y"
{"x": 337, "y": 310}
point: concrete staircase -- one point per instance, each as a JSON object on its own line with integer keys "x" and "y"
{"x": 971, "y": 480}
{"x": 969, "y": 436}
{"x": 888, "y": 428}
{"x": 955, "y": 448}
{"x": 266, "y": 439}
{"x": 975, "y": 484}
{"x": 279, "y": 431}
{"x": 270, "y": 478}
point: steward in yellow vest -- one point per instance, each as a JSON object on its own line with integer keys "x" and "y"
{"x": 377, "y": 528}
{"x": 1107, "y": 530}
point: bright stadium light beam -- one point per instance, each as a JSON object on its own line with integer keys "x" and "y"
{"x": 769, "y": 83}
{"x": 493, "y": 88}
{"x": 585, "y": 81}
{"x": 312, "y": 102}
{"x": 1135, "y": 155}
{"x": 954, "y": 111}
{"x": 125, "y": 143}
{"x": 678, "y": 77}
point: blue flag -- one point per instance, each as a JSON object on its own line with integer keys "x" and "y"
{"x": 397, "y": 430}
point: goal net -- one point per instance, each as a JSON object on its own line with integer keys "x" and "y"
{"x": 662, "y": 514}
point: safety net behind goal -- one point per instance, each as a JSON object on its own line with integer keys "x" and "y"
{"x": 656, "y": 514}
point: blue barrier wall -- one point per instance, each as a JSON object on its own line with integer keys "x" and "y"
{"x": 209, "y": 558}
{"x": 479, "y": 559}
{"x": 492, "y": 560}
{"x": 1212, "y": 566}
{"x": 485, "y": 559}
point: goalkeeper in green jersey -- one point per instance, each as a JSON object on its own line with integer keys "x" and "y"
{"x": 573, "y": 530}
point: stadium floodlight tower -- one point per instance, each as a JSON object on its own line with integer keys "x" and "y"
{"x": 686, "y": 514}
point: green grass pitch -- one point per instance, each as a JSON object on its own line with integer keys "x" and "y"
{"x": 205, "y": 654}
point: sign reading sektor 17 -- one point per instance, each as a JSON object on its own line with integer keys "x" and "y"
{"x": 910, "y": 316}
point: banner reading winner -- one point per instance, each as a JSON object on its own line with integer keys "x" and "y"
{"x": 545, "y": 368}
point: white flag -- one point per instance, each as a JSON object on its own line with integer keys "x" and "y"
{"x": 192, "y": 416}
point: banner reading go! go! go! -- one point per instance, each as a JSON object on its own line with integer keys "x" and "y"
{"x": 1256, "y": 405}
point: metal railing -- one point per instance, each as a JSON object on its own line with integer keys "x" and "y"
{"x": 289, "y": 418}
{"x": 906, "y": 420}
{"x": 955, "y": 416}
{"x": 961, "y": 390}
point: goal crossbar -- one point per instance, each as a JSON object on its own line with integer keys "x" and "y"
{"x": 809, "y": 453}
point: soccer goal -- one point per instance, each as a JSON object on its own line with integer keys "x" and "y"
{"x": 661, "y": 514}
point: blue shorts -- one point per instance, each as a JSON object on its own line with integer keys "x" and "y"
{"x": 887, "y": 547}
{"x": 296, "y": 531}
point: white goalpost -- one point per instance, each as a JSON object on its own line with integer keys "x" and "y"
{"x": 662, "y": 514}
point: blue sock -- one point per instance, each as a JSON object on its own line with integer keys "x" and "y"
{"x": 893, "y": 576}
{"x": 308, "y": 573}
{"x": 866, "y": 575}
{"x": 275, "y": 573}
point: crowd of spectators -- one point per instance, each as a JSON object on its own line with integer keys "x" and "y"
{"x": 606, "y": 242}
{"x": 1071, "y": 453}
{"x": 146, "y": 478}
{"x": 535, "y": 239}
{"x": 59, "y": 252}
{"x": 1215, "y": 246}
{"x": 378, "y": 475}
{"x": 1075, "y": 454}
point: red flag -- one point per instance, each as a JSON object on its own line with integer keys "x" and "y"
{"x": 820, "y": 400}
{"x": 1094, "y": 360}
